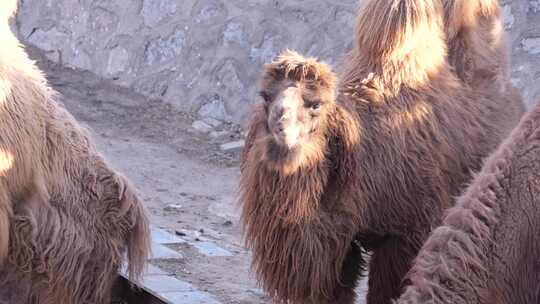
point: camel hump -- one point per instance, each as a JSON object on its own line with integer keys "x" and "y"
{"x": 398, "y": 29}
{"x": 466, "y": 14}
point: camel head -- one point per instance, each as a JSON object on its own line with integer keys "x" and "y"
{"x": 299, "y": 95}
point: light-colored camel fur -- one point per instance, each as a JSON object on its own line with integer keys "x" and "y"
{"x": 67, "y": 219}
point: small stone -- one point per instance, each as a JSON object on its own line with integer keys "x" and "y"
{"x": 228, "y": 223}
{"x": 214, "y": 109}
{"x": 173, "y": 207}
{"x": 193, "y": 234}
{"x": 212, "y": 122}
{"x": 180, "y": 233}
{"x": 201, "y": 126}
{"x": 218, "y": 134}
{"x": 162, "y": 236}
{"x": 233, "y": 146}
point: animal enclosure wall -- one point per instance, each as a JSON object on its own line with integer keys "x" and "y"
{"x": 205, "y": 55}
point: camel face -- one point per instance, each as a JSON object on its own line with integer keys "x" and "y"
{"x": 294, "y": 116}
{"x": 299, "y": 96}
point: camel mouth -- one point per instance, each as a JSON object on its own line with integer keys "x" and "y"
{"x": 285, "y": 143}
{"x": 279, "y": 149}
{"x": 288, "y": 138}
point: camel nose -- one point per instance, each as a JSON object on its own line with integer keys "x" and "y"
{"x": 281, "y": 113}
{"x": 288, "y": 132}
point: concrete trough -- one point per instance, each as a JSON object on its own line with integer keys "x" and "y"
{"x": 125, "y": 292}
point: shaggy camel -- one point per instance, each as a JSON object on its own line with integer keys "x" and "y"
{"x": 488, "y": 247}
{"x": 67, "y": 220}
{"x": 327, "y": 175}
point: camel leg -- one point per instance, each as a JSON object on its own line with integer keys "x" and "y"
{"x": 389, "y": 264}
{"x": 350, "y": 275}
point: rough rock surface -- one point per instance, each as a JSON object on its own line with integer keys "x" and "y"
{"x": 204, "y": 56}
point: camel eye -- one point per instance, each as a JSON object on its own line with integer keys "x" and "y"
{"x": 312, "y": 104}
{"x": 265, "y": 96}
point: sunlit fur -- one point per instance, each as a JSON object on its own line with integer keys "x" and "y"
{"x": 402, "y": 139}
{"x": 7, "y": 9}
{"x": 67, "y": 219}
{"x": 486, "y": 251}
{"x": 479, "y": 50}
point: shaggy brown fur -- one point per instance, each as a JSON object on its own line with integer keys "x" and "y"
{"x": 66, "y": 218}
{"x": 478, "y": 49}
{"x": 380, "y": 164}
{"x": 488, "y": 248}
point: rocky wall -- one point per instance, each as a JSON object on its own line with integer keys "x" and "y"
{"x": 205, "y": 56}
{"x": 522, "y": 21}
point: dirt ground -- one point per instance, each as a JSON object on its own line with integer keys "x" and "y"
{"x": 187, "y": 182}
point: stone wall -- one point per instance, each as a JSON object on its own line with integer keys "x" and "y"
{"x": 522, "y": 20}
{"x": 205, "y": 55}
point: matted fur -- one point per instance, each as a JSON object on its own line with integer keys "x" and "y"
{"x": 487, "y": 249}
{"x": 67, "y": 219}
{"x": 399, "y": 142}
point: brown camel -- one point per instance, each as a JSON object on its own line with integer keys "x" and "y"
{"x": 67, "y": 219}
{"x": 487, "y": 249}
{"x": 328, "y": 173}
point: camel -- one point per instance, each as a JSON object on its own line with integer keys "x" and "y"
{"x": 487, "y": 249}
{"x": 370, "y": 163}
{"x": 67, "y": 219}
